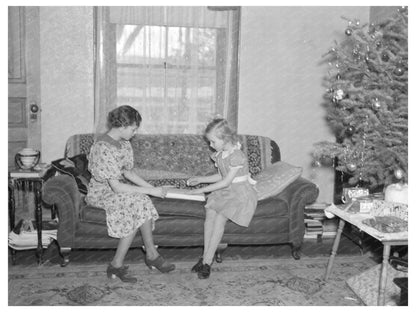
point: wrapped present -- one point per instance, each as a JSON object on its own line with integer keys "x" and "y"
{"x": 387, "y": 224}
{"x": 352, "y": 193}
{"x": 385, "y": 208}
{"x": 396, "y": 193}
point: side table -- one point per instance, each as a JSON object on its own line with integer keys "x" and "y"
{"x": 387, "y": 239}
{"x": 27, "y": 182}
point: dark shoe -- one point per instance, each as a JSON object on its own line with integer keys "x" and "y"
{"x": 121, "y": 273}
{"x": 197, "y": 267}
{"x": 159, "y": 263}
{"x": 205, "y": 271}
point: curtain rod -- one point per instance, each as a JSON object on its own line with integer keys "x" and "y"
{"x": 223, "y": 8}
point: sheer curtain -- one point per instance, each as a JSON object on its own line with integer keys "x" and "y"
{"x": 176, "y": 65}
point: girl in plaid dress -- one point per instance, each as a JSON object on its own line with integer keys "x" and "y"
{"x": 232, "y": 194}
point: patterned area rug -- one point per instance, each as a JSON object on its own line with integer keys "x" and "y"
{"x": 278, "y": 282}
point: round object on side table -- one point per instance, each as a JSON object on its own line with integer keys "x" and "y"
{"x": 27, "y": 158}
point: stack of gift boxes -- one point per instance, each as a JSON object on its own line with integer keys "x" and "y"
{"x": 385, "y": 215}
{"x": 356, "y": 200}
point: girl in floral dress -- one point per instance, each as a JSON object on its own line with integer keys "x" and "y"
{"x": 128, "y": 207}
{"x": 232, "y": 196}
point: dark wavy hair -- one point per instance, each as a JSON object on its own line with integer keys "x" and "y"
{"x": 123, "y": 116}
{"x": 222, "y": 130}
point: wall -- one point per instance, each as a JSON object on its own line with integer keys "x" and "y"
{"x": 281, "y": 75}
{"x": 67, "y": 89}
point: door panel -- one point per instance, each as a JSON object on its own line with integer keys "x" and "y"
{"x": 24, "y": 84}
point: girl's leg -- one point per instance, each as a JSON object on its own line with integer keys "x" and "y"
{"x": 122, "y": 249}
{"x": 208, "y": 227}
{"x": 147, "y": 235}
{"x": 216, "y": 235}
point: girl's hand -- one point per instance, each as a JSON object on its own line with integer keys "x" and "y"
{"x": 192, "y": 181}
{"x": 159, "y": 192}
{"x": 195, "y": 192}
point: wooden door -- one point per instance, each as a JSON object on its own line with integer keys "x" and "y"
{"x": 24, "y": 80}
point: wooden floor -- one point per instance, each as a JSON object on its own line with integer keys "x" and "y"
{"x": 310, "y": 248}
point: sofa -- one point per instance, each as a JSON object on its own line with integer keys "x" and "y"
{"x": 171, "y": 160}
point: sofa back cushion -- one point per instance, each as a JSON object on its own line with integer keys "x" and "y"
{"x": 183, "y": 153}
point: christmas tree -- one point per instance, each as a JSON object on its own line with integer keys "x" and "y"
{"x": 367, "y": 103}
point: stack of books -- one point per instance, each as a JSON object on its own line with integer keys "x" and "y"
{"x": 330, "y": 227}
{"x": 313, "y": 228}
{"x": 317, "y": 225}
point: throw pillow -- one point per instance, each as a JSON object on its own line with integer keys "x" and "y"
{"x": 275, "y": 178}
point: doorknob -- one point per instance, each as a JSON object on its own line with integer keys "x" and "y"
{"x": 34, "y": 109}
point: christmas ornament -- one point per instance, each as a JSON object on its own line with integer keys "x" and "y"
{"x": 316, "y": 163}
{"x": 372, "y": 29}
{"x": 399, "y": 71}
{"x": 351, "y": 167}
{"x": 402, "y": 9}
{"x": 348, "y": 31}
{"x": 375, "y": 103}
{"x": 350, "y": 130}
{"x": 399, "y": 174}
{"x": 357, "y": 22}
{"x": 385, "y": 57}
{"x": 339, "y": 94}
{"x": 327, "y": 161}
{"x": 370, "y": 56}
{"x": 355, "y": 52}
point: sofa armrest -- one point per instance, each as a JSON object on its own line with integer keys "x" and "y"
{"x": 62, "y": 192}
{"x": 298, "y": 194}
{"x": 300, "y": 190}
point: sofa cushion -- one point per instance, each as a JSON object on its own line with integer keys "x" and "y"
{"x": 276, "y": 178}
{"x": 270, "y": 207}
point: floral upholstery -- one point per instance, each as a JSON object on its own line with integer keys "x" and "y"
{"x": 182, "y": 153}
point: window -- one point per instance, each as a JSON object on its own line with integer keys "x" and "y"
{"x": 173, "y": 64}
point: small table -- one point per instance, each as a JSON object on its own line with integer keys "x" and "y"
{"x": 387, "y": 239}
{"x": 27, "y": 182}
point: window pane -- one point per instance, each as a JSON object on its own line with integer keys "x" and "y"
{"x": 170, "y": 75}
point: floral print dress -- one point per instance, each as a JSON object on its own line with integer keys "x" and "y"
{"x": 238, "y": 201}
{"x": 125, "y": 212}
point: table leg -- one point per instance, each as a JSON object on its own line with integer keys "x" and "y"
{"x": 38, "y": 214}
{"x": 383, "y": 275}
{"x": 12, "y": 212}
{"x": 334, "y": 249}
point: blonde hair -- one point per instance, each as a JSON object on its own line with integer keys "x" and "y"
{"x": 222, "y": 130}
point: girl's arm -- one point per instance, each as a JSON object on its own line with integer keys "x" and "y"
{"x": 119, "y": 187}
{"x": 222, "y": 183}
{"x": 132, "y": 176}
